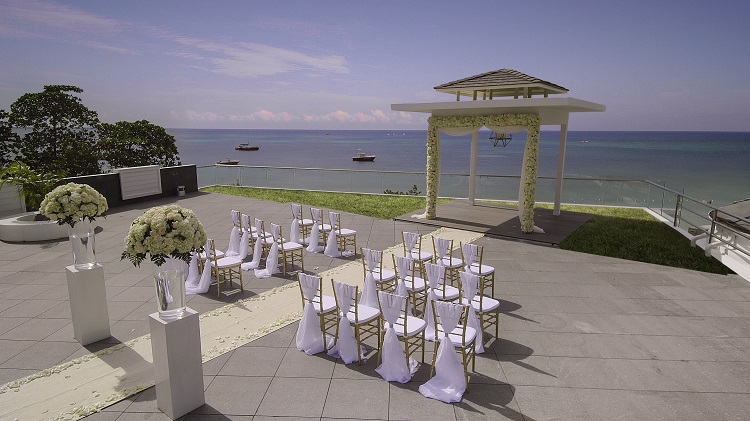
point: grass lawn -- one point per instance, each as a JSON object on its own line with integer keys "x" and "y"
{"x": 625, "y": 233}
{"x": 376, "y": 206}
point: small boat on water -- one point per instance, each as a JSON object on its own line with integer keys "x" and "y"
{"x": 246, "y": 147}
{"x": 228, "y": 161}
{"x": 360, "y": 156}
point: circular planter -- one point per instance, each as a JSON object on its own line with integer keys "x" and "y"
{"x": 23, "y": 227}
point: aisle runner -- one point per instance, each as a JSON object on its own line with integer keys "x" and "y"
{"x": 72, "y": 390}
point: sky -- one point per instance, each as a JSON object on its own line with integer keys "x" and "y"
{"x": 337, "y": 65}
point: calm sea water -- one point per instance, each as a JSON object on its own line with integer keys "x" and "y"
{"x": 707, "y": 165}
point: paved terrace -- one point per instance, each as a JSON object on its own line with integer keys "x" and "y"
{"x": 582, "y": 337}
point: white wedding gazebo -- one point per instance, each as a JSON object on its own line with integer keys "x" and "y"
{"x": 522, "y": 113}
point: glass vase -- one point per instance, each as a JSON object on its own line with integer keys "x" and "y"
{"x": 83, "y": 242}
{"x": 169, "y": 280}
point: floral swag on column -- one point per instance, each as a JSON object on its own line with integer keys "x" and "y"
{"x": 527, "y": 192}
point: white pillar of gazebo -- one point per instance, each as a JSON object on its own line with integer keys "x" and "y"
{"x": 560, "y": 167}
{"x": 473, "y": 166}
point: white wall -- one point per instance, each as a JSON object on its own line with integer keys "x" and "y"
{"x": 10, "y": 203}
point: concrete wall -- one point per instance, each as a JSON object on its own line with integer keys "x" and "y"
{"x": 10, "y": 203}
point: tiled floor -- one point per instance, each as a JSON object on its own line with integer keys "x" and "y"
{"x": 581, "y": 337}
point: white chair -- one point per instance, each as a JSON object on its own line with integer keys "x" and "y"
{"x": 415, "y": 287}
{"x": 318, "y": 315}
{"x": 400, "y": 327}
{"x": 377, "y": 278}
{"x": 261, "y": 235}
{"x": 443, "y": 249}
{"x": 289, "y": 250}
{"x": 364, "y": 319}
{"x": 438, "y": 290}
{"x": 455, "y": 337}
{"x": 486, "y": 309}
{"x": 339, "y": 238}
{"x": 413, "y": 249}
{"x": 319, "y": 231}
{"x": 225, "y": 269}
{"x": 300, "y": 230}
{"x": 472, "y": 255}
{"x": 234, "y": 236}
{"x": 207, "y": 254}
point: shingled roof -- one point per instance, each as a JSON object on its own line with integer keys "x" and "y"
{"x": 500, "y": 83}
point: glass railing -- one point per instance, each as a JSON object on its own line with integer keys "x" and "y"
{"x": 682, "y": 211}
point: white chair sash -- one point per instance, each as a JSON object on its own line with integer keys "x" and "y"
{"x": 442, "y": 245}
{"x": 469, "y": 285}
{"x": 201, "y": 287}
{"x": 258, "y": 248}
{"x": 405, "y": 267}
{"x": 309, "y": 336}
{"x": 272, "y": 260}
{"x": 234, "y": 236}
{"x": 332, "y": 244}
{"x": 346, "y": 345}
{"x": 434, "y": 274}
{"x": 410, "y": 240}
{"x": 393, "y": 366}
{"x": 244, "y": 244}
{"x": 295, "y": 236}
{"x": 449, "y": 383}
{"x": 470, "y": 252}
{"x": 314, "y": 246}
{"x": 369, "y": 291}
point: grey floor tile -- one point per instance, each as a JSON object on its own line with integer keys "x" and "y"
{"x": 298, "y": 364}
{"x": 488, "y": 402}
{"x": 230, "y": 395}
{"x": 34, "y": 329}
{"x": 252, "y": 361}
{"x": 42, "y": 355}
{"x": 296, "y": 397}
{"x": 360, "y": 399}
{"x": 406, "y": 403}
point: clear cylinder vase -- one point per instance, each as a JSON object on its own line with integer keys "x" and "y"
{"x": 83, "y": 241}
{"x": 169, "y": 280}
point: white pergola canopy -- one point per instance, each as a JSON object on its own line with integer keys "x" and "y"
{"x": 547, "y": 111}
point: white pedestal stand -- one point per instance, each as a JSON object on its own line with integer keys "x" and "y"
{"x": 88, "y": 304}
{"x": 178, "y": 365}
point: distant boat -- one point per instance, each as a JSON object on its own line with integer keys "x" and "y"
{"x": 228, "y": 161}
{"x": 360, "y": 156}
{"x": 246, "y": 147}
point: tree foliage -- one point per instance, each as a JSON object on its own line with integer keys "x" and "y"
{"x": 62, "y": 131}
{"x": 63, "y": 136}
{"x": 8, "y": 140}
{"x": 126, "y": 144}
{"x": 32, "y": 185}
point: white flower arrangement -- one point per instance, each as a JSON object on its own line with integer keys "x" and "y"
{"x": 164, "y": 231}
{"x": 73, "y": 202}
{"x": 531, "y": 155}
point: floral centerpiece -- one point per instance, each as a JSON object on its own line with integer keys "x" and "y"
{"x": 73, "y": 202}
{"x": 166, "y": 235}
{"x": 162, "y": 232}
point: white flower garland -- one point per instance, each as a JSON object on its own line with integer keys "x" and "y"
{"x": 73, "y": 202}
{"x": 531, "y": 121}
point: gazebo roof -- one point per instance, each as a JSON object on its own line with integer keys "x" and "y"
{"x": 501, "y": 83}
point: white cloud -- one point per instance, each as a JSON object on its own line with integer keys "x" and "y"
{"x": 31, "y": 12}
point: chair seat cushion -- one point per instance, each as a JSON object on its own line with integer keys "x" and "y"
{"x": 381, "y": 274}
{"x": 305, "y": 222}
{"x": 324, "y": 227}
{"x": 451, "y": 293}
{"x": 485, "y": 270}
{"x": 219, "y": 254}
{"x": 414, "y": 325}
{"x": 420, "y": 256}
{"x": 487, "y": 303}
{"x": 455, "y": 336}
{"x": 415, "y": 284}
{"x": 329, "y": 304}
{"x": 345, "y": 231}
{"x": 450, "y": 262}
{"x": 226, "y": 262}
{"x": 365, "y": 313}
{"x": 290, "y": 246}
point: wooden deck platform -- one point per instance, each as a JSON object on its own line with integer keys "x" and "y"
{"x": 501, "y": 221}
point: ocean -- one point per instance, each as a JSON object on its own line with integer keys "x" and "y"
{"x": 709, "y": 166}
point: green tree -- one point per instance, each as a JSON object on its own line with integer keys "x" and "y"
{"x": 8, "y": 139}
{"x": 62, "y": 135}
{"x": 126, "y": 144}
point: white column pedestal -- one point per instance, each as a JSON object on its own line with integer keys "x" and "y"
{"x": 178, "y": 365}
{"x": 88, "y": 304}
